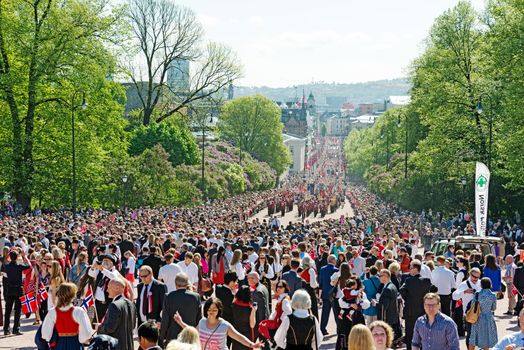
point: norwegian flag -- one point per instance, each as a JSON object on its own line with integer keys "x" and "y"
{"x": 29, "y": 304}
{"x": 88, "y": 300}
{"x": 42, "y": 292}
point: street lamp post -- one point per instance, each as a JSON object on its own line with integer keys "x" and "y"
{"x": 73, "y": 108}
{"x": 204, "y": 153}
{"x": 463, "y": 180}
{"x": 490, "y": 122}
{"x": 405, "y": 146}
{"x": 387, "y": 147}
{"x": 124, "y": 182}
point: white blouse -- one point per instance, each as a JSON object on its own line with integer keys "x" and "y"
{"x": 239, "y": 269}
{"x": 79, "y": 315}
{"x": 286, "y": 308}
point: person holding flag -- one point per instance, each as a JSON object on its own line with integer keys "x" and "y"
{"x": 71, "y": 322}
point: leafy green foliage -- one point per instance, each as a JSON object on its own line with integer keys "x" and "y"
{"x": 466, "y": 56}
{"x": 174, "y": 136}
{"x": 253, "y": 125}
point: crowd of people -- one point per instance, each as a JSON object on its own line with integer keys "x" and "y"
{"x": 212, "y": 277}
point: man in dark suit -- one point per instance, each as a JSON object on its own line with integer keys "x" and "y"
{"x": 153, "y": 260}
{"x": 325, "y": 285}
{"x": 183, "y": 301}
{"x": 413, "y": 291}
{"x": 292, "y": 278}
{"x": 224, "y": 292}
{"x": 148, "y": 336}
{"x": 387, "y": 303}
{"x": 150, "y": 297}
{"x": 119, "y": 320}
{"x": 14, "y": 290}
{"x": 260, "y": 296}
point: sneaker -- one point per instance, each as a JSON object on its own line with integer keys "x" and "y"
{"x": 508, "y": 313}
{"x": 18, "y": 333}
{"x": 7, "y": 332}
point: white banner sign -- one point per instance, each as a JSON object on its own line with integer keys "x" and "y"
{"x": 481, "y": 198}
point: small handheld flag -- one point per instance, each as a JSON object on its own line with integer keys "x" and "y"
{"x": 29, "y": 304}
{"x": 88, "y": 300}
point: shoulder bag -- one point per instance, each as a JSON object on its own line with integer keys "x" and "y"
{"x": 472, "y": 315}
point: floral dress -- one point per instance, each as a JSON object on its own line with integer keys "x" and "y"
{"x": 484, "y": 331}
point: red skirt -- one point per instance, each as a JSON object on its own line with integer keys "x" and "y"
{"x": 130, "y": 277}
{"x": 266, "y": 325}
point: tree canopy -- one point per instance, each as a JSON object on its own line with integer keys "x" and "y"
{"x": 253, "y": 124}
{"x": 467, "y": 55}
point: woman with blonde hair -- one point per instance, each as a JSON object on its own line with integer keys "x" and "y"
{"x": 360, "y": 338}
{"x": 59, "y": 256}
{"x": 188, "y": 339}
{"x": 55, "y": 280}
{"x": 236, "y": 266}
{"x": 382, "y": 334}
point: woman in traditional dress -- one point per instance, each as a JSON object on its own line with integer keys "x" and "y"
{"x": 71, "y": 323}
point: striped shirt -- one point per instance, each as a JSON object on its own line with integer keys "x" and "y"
{"x": 213, "y": 338}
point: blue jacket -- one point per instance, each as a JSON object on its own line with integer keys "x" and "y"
{"x": 495, "y": 277}
{"x": 325, "y": 279}
{"x": 371, "y": 286}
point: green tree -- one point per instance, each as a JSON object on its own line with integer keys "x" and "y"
{"x": 48, "y": 49}
{"x": 253, "y": 124}
{"x": 174, "y": 136}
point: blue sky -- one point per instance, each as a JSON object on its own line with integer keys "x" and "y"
{"x": 288, "y": 42}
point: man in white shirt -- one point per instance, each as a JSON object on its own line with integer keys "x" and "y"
{"x": 466, "y": 291}
{"x": 425, "y": 271}
{"x": 190, "y": 269}
{"x": 229, "y": 252}
{"x": 444, "y": 280}
{"x": 359, "y": 263}
{"x": 251, "y": 255}
{"x": 104, "y": 264}
{"x": 168, "y": 272}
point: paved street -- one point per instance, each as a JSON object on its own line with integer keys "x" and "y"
{"x": 292, "y": 216}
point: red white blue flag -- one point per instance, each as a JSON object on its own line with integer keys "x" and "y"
{"x": 29, "y": 304}
{"x": 88, "y": 300}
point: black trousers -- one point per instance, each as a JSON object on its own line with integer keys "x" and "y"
{"x": 11, "y": 301}
{"x": 445, "y": 304}
{"x": 410, "y": 326}
{"x": 468, "y": 331}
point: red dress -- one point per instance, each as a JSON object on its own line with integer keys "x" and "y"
{"x": 218, "y": 276}
{"x": 67, "y": 330}
{"x": 266, "y": 325}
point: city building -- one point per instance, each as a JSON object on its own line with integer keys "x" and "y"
{"x": 178, "y": 75}
{"x": 297, "y": 116}
{"x": 297, "y": 150}
{"x": 335, "y": 102}
{"x": 365, "y": 108}
{"x": 338, "y": 125}
{"x": 363, "y": 121}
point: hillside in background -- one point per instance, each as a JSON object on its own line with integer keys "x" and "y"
{"x": 368, "y": 92}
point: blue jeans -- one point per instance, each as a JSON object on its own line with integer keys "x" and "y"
{"x": 324, "y": 318}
